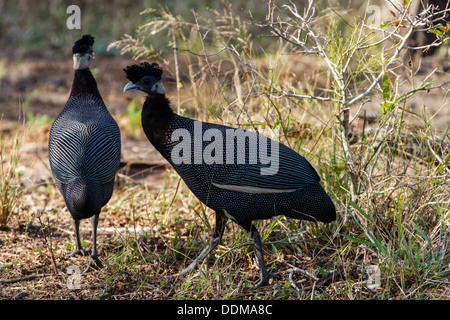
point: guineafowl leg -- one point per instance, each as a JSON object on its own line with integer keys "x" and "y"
{"x": 214, "y": 242}
{"x": 78, "y": 248}
{"x": 260, "y": 256}
{"x": 95, "y": 261}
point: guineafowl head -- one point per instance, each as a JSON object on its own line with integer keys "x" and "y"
{"x": 145, "y": 77}
{"x": 83, "y": 52}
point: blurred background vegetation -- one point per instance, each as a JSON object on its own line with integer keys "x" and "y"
{"x": 27, "y": 25}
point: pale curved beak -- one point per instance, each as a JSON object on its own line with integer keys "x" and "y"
{"x": 130, "y": 86}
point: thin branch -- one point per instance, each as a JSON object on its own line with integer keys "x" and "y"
{"x": 380, "y": 75}
{"x": 25, "y": 278}
{"x": 233, "y": 50}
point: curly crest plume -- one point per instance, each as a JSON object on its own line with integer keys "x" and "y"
{"x": 136, "y": 72}
{"x": 84, "y": 44}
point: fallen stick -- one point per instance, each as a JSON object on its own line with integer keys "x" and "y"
{"x": 25, "y": 278}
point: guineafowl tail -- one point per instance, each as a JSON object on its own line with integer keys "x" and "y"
{"x": 84, "y": 197}
{"x": 312, "y": 203}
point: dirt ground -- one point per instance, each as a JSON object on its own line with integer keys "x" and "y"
{"x": 28, "y": 254}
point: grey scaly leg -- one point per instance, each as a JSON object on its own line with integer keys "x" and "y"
{"x": 214, "y": 242}
{"x": 95, "y": 261}
{"x": 78, "y": 248}
{"x": 265, "y": 276}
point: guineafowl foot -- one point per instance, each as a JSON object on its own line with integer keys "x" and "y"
{"x": 94, "y": 264}
{"x": 193, "y": 266}
{"x": 81, "y": 252}
{"x": 265, "y": 280}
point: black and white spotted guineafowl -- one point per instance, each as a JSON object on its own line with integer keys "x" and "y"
{"x": 239, "y": 174}
{"x": 84, "y": 148}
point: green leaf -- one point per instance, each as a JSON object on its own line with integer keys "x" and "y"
{"x": 253, "y": 124}
{"x": 277, "y": 122}
{"x": 286, "y": 124}
{"x": 229, "y": 216}
{"x": 435, "y": 31}
{"x": 383, "y": 108}
{"x": 374, "y": 240}
{"x": 421, "y": 232}
{"x": 412, "y": 91}
{"x": 361, "y": 211}
{"x": 6, "y": 265}
{"x": 368, "y": 243}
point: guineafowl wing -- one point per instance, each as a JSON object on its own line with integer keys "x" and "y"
{"x": 286, "y": 169}
{"x": 248, "y": 159}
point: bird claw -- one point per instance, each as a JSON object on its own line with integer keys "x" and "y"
{"x": 81, "y": 252}
{"x": 193, "y": 266}
{"x": 265, "y": 280}
{"x": 94, "y": 264}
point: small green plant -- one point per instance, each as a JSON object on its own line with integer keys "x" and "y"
{"x": 133, "y": 115}
{"x": 34, "y": 120}
{"x": 390, "y": 101}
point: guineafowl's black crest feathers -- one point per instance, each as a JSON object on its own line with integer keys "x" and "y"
{"x": 136, "y": 72}
{"x": 84, "y": 44}
{"x": 84, "y": 149}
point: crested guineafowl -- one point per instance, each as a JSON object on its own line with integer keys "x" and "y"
{"x": 239, "y": 174}
{"x": 84, "y": 148}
